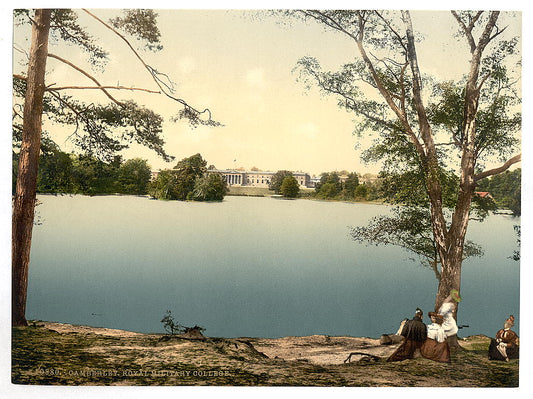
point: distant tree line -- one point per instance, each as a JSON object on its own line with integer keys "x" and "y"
{"x": 60, "y": 172}
{"x": 64, "y": 173}
{"x": 403, "y": 188}
{"x": 504, "y": 190}
{"x": 331, "y": 186}
{"x": 190, "y": 179}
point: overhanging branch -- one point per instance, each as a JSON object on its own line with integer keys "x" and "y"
{"x": 102, "y": 88}
{"x": 153, "y": 72}
{"x": 498, "y": 170}
{"x": 87, "y": 75}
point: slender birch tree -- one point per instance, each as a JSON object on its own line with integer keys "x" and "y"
{"x": 424, "y": 126}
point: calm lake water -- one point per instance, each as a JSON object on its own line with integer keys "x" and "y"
{"x": 248, "y": 267}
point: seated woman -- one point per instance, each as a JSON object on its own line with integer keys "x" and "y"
{"x": 415, "y": 333}
{"x": 447, "y": 310}
{"x": 505, "y": 346}
{"x": 436, "y": 347}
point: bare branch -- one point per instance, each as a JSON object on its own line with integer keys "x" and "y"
{"x": 15, "y": 112}
{"x": 398, "y": 36}
{"x": 485, "y": 36}
{"x": 498, "y": 32}
{"x": 483, "y": 80}
{"x": 468, "y": 29}
{"x": 322, "y": 17}
{"x": 87, "y": 75}
{"x": 498, "y": 170}
{"x": 101, "y": 88}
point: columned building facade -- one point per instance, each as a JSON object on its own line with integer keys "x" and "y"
{"x": 258, "y": 178}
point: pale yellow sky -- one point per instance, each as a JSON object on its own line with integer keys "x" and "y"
{"x": 239, "y": 65}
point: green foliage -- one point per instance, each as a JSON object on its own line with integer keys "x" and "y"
{"x": 329, "y": 186}
{"x": 408, "y": 227}
{"x": 361, "y": 192}
{"x": 350, "y": 185}
{"x": 210, "y": 187}
{"x": 409, "y": 187}
{"x": 60, "y": 172}
{"x": 506, "y": 190}
{"x": 163, "y": 186}
{"x": 290, "y": 188}
{"x": 64, "y": 26}
{"x": 92, "y": 176}
{"x": 332, "y": 187}
{"x": 189, "y": 180}
{"x": 328, "y": 191}
{"x": 188, "y": 170}
{"x": 277, "y": 180}
{"x": 134, "y": 176}
{"x": 56, "y": 173}
{"x": 142, "y": 25}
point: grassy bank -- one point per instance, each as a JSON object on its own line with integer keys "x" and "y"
{"x": 55, "y": 354}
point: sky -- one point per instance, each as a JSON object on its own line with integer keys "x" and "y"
{"x": 240, "y": 65}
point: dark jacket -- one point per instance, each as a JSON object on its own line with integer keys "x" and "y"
{"x": 415, "y": 330}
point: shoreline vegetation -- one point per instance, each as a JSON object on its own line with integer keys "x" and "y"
{"x": 191, "y": 180}
{"x": 47, "y": 353}
{"x": 235, "y": 191}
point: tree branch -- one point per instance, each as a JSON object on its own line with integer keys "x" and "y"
{"x": 467, "y": 30}
{"x": 485, "y": 36}
{"x": 87, "y": 75}
{"x": 425, "y": 128}
{"x": 435, "y": 269}
{"x": 151, "y": 70}
{"x": 101, "y": 88}
{"x": 398, "y": 36}
{"x": 498, "y": 170}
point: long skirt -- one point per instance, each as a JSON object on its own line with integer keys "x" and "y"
{"x": 495, "y": 354}
{"x": 406, "y": 350}
{"x": 437, "y": 351}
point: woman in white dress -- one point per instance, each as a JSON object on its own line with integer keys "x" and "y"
{"x": 447, "y": 310}
{"x": 435, "y": 347}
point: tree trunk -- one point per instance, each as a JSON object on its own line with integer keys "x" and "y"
{"x": 453, "y": 342}
{"x": 24, "y": 201}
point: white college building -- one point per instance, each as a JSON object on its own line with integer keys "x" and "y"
{"x": 258, "y": 178}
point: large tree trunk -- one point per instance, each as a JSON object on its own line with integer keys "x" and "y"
{"x": 24, "y": 201}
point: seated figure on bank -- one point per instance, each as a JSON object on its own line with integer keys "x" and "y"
{"x": 436, "y": 347}
{"x": 447, "y": 310}
{"x": 415, "y": 333}
{"x": 505, "y": 345}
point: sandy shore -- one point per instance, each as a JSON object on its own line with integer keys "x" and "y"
{"x": 63, "y": 354}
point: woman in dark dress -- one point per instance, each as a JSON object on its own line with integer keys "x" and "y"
{"x": 505, "y": 345}
{"x": 415, "y": 333}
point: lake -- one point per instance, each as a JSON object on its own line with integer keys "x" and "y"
{"x": 257, "y": 267}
